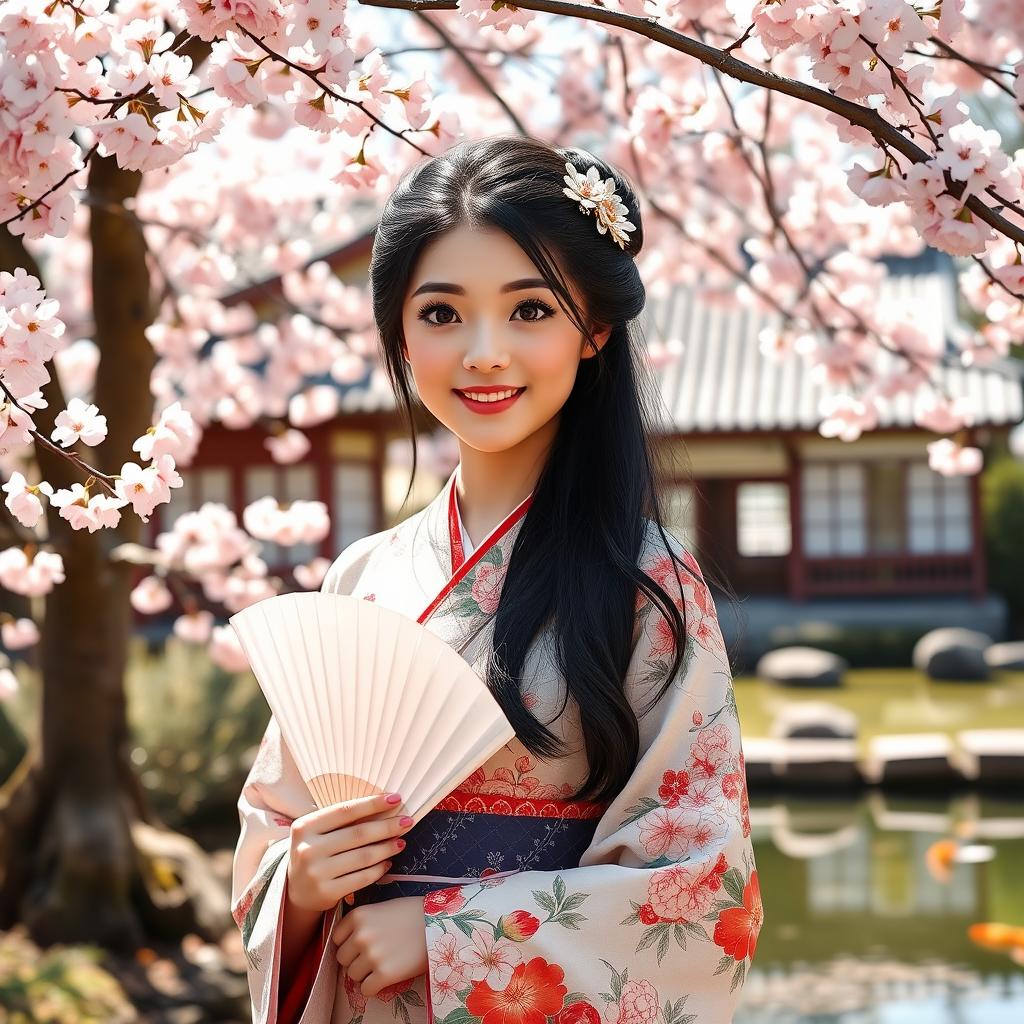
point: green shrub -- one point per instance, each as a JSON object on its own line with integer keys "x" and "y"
{"x": 62, "y": 985}
{"x": 196, "y": 729}
{"x": 861, "y": 646}
{"x": 1002, "y": 502}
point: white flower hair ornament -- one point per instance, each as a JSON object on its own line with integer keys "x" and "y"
{"x": 600, "y": 196}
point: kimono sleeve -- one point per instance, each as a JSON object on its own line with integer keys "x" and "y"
{"x": 660, "y": 919}
{"x": 272, "y": 796}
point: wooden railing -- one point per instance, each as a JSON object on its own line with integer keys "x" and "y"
{"x": 881, "y": 574}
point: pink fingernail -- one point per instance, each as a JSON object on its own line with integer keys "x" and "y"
{"x": 394, "y": 798}
{"x": 406, "y": 819}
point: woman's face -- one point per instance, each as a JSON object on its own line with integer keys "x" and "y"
{"x": 478, "y": 315}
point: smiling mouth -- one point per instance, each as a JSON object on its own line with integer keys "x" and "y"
{"x": 488, "y": 398}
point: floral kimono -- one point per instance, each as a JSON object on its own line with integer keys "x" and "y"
{"x": 538, "y": 909}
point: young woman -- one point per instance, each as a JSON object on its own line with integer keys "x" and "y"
{"x": 599, "y": 868}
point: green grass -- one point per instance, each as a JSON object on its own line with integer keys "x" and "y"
{"x": 893, "y": 701}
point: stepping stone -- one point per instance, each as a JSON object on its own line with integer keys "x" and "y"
{"x": 801, "y": 666}
{"x": 819, "y": 764}
{"x": 1007, "y": 656}
{"x": 760, "y": 756}
{"x": 992, "y": 757}
{"x": 922, "y": 759}
{"x": 814, "y": 719}
{"x": 953, "y": 653}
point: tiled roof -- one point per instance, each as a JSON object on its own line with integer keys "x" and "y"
{"x": 723, "y": 382}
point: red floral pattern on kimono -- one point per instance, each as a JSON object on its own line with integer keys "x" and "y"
{"x": 657, "y": 921}
{"x": 663, "y": 913}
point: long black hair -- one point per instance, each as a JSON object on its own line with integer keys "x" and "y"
{"x": 573, "y": 566}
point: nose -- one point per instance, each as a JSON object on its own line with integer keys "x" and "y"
{"x": 487, "y": 351}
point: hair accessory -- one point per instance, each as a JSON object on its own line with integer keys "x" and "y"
{"x": 600, "y": 196}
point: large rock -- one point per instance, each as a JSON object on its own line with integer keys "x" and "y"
{"x": 814, "y": 720}
{"x": 1008, "y": 656}
{"x": 953, "y": 653}
{"x": 802, "y": 666}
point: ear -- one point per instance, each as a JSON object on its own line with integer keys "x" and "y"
{"x": 601, "y": 335}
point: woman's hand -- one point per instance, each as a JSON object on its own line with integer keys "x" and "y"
{"x": 383, "y": 943}
{"x": 337, "y": 850}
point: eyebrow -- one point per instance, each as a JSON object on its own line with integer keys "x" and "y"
{"x": 456, "y": 289}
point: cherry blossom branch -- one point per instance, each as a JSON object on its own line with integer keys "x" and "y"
{"x": 70, "y": 454}
{"x": 988, "y": 273}
{"x": 710, "y": 253}
{"x": 649, "y": 28}
{"x": 1009, "y": 203}
{"x": 915, "y": 101}
{"x": 35, "y": 204}
{"x": 312, "y": 76}
{"x": 950, "y": 53}
{"x": 472, "y": 68}
{"x": 199, "y": 49}
{"x": 767, "y": 184}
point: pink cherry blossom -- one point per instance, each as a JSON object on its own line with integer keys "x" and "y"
{"x": 875, "y": 186}
{"x": 225, "y": 650}
{"x": 236, "y": 78}
{"x": 846, "y": 417}
{"x": 174, "y": 434}
{"x": 85, "y": 512}
{"x": 503, "y": 19}
{"x": 972, "y": 154}
{"x": 315, "y": 405}
{"x": 143, "y": 488}
{"x": 151, "y": 595}
{"x": 957, "y": 230}
{"x": 194, "y": 628}
{"x": 170, "y": 74}
{"x": 79, "y": 422}
{"x": 288, "y": 446}
{"x": 34, "y": 577}
{"x": 936, "y": 412}
{"x": 19, "y": 633}
{"x": 15, "y": 424}
{"x": 951, "y": 459}
{"x": 310, "y": 576}
{"x": 23, "y": 501}
{"x": 448, "y": 969}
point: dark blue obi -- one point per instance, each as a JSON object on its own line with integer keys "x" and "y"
{"x": 468, "y": 834}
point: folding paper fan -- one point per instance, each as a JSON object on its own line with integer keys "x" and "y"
{"x": 368, "y": 700}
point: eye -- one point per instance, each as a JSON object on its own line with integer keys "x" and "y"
{"x": 431, "y": 307}
{"x": 444, "y": 308}
{"x": 536, "y": 304}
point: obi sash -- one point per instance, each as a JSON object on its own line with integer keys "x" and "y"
{"x": 465, "y": 838}
{"x": 472, "y": 835}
